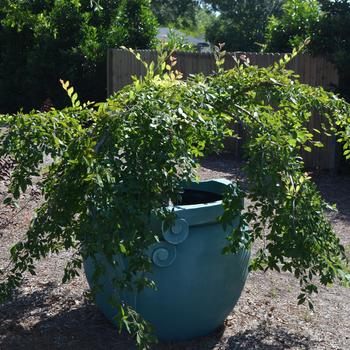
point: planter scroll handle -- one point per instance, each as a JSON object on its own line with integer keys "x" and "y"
{"x": 177, "y": 233}
{"x": 162, "y": 254}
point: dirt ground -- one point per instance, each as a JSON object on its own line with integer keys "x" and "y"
{"x": 45, "y": 314}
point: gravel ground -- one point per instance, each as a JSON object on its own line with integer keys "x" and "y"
{"x": 46, "y": 314}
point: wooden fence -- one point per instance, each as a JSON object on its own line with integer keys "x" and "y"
{"x": 315, "y": 71}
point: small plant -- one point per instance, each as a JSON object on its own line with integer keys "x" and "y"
{"x": 176, "y": 40}
{"x": 127, "y": 157}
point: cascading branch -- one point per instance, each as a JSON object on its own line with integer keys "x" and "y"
{"x": 129, "y": 156}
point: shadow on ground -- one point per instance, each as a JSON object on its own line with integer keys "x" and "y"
{"x": 72, "y": 327}
{"x": 262, "y": 337}
{"x": 84, "y": 327}
{"x": 268, "y": 338}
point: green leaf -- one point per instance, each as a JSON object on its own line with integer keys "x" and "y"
{"x": 122, "y": 248}
{"x": 7, "y": 200}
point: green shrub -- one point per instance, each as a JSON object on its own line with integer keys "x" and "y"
{"x": 144, "y": 142}
{"x": 42, "y": 41}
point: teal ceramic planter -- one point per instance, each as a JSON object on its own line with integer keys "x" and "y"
{"x": 197, "y": 285}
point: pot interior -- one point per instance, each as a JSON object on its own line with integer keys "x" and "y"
{"x": 190, "y": 196}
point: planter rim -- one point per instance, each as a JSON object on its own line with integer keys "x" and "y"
{"x": 203, "y": 213}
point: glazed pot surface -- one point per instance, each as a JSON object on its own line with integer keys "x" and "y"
{"x": 197, "y": 286}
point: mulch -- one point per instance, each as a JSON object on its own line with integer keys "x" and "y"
{"x": 46, "y": 314}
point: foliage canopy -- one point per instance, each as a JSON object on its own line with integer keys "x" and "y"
{"x": 130, "y": 155}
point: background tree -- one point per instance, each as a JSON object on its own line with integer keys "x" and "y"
{"x": 178, "y": 13}
{"x": 135, "y": 25}
{"x": 42, "y": 41}
{"x": 240, "y": 24}
{"x": 297, "y": 21}
{"x": 332, "y": 39}
{"x": 325, "y": 22}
